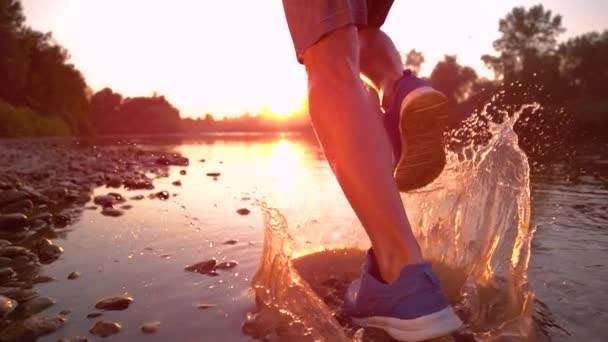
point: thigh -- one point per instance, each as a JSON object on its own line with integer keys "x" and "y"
{"x": 311, "y": 20}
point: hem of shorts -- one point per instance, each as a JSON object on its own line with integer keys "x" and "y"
{"x": 332, "y": 23}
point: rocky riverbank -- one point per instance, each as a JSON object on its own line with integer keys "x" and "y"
{"x": 44, "y": 187}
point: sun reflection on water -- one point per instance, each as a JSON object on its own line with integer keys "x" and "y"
{"x": 286, "y": 160}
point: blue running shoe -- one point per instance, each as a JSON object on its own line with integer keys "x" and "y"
{"x": 415, "y": 123}
{"x": 413, "y": 308}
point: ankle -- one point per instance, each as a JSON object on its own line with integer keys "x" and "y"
{"x": 392, "y": 260}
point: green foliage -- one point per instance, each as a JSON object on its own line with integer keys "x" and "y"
{"x": 413, "y": 60}
{"x": 18, "y": 122}
{"x": 527, "y": 34}
{"x": 453, "y": 79}
{"x": 35, "y": 72}
{"x": 111, "y": 114}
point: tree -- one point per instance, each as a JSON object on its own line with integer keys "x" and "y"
{"x": 583, "y": 65}
{"x": 526, "y": 36}
{"x": 413, "y": 60}
{"x": 13, "y": 64}
{"x": 453, "y": 79}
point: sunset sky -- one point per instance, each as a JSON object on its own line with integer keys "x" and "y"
{"x": 229, "y": 57}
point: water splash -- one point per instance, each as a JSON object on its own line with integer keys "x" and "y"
{"x": 473, "y": 224}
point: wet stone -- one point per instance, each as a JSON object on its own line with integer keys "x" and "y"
{"x": 7, "y": 273}
{"x": 204, "y": 306}
{"x": 126, "y": 206}
{"x": 43, "y": 279}
{"x": 202, "y": 267}
{"x": 226, "y": 265}
{"x": 74, "y": 339}
{"x": 4, "y": 243}
{"x": 7, "y": 305}
{"x": 105, "y": 328}
{"x": 112, "y": 212}
{"x": 33, "y": 306}
{"x": 139, "y": 184}
{"x": 31, "y": 328}
{"x": 23, "y": 295}
{"x": 162, "y": 195}
{"x": 22, "y": 206}
{"x": 5, "y": 261}
{"x": 61, "y": 220}
{"x": 150, "y": 327}
{"x": 9, "y": 196}
{"x": 74, "y": 275}
{"x": 105, "y": 200}
{"x": 94, "y": 314}
{"x": 243, "y": 211}
{"x": 14, "y": 251}
{"x": 65, "y": 312}
{"x": 47, "y": 251}
{"x": 13, "y": 222}
{"x": 137, "y": 197}
{"x": 114, "y": 181}
{"x": 114, "y": 303}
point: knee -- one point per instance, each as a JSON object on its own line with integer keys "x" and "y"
{"x": 335, "y": 56}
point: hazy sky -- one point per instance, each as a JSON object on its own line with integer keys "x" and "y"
{"x": 231, "y": 56}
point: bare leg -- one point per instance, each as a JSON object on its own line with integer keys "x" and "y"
{"x": 348, "y": 126}
{"x": 380, "y": 61}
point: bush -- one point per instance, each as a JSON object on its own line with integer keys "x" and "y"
{"x": 24, "y": 122}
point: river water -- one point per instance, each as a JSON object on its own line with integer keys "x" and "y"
{"x": 475, "y": 223}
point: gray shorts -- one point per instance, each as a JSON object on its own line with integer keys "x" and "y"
{"x": 310, "y": 20}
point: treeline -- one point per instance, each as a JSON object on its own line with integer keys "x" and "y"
{"x": 41, "y": 93}
{"x": 566, "y": 79}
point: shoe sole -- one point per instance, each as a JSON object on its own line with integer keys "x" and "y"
{"x": 437, "y": 324}
{"x": 423, "y": 121}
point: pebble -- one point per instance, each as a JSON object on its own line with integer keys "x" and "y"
{"x": 177, "y": 183}
{"x": 105, "y": 200}
{"x": 43, "y": 279}
{"x": 213, "y": 174}
{"x": 13, "y": 222}
{"x": 112, "y": 212}
{"x": 9, "y": 196}
{"x": 150, "y": 327}
{"x": 61, "y": 220}
{"x": 7, "y": 306}
{"x": 231, "y": 242}
{"x": 137, "y": 197}
{"x": 32, "y": 328}
{"x": 204, "y": 306}
{"x": 21, "y": 206}
{"x": 114, "y": 303}
{"x": 105, "y": 328}
{"x": 126, "y": 207}
{"x": 7, "y": 273}
{"x": 226, "y": 265}
{"x": 182, "y": 172}
{"x": 94, "y": 314}
{"x": 74, "y": 339}
{"x": 202, "y": 267}
{"x": 243, "y": 211}
{"x": 47, "y": 251}
{"x": 23, "y": 295}
{"x": 74, "y": 275}
{"x": 65, "y": 312}
{"x": 33, "y": 306}
{"x": 163, "y": 195}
